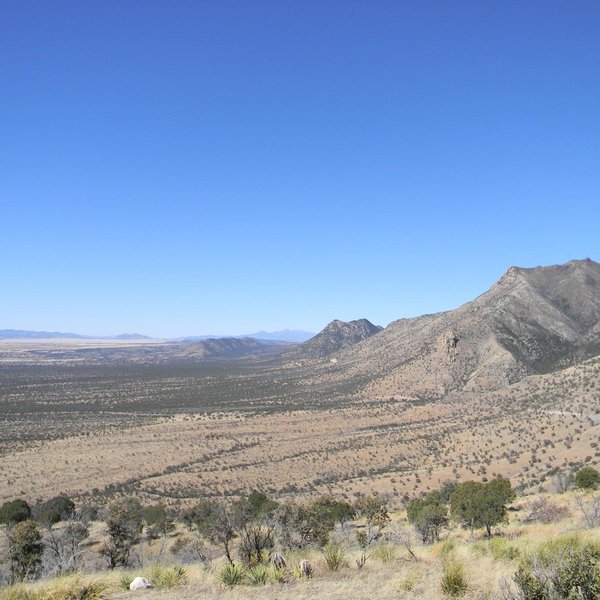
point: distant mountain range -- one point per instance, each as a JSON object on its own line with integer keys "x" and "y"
{"x": 285, "y": 335}
{"x": 22, "y": 334}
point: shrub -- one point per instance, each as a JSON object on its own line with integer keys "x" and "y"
{"x": 374, "y": 509}
{"x": 25, "y": 548}
{"x": 563, "y": 568}
{"x": 231, "y": 574}
{"x": 428, "y": 515}
{"x": 54, "y": 510}
{"x": 256, "y": 543}
{"x": 335, "y": 557}
{"x": 14, "y": 512}
{"x": 587, "y": 478}
{"x": 542, "y": 510}
{"x": 454, "y": 582}
{"x": 159, "y": 520}
{"x": 124, "y": 525}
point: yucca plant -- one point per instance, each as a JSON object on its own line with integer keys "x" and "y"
{"x": 231, "y": 575}
{"x": 258, "y": 575}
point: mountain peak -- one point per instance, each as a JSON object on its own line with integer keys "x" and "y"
{"x": 337, "y": 336}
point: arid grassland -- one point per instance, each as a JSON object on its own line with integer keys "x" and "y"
{"x": 541, "y": 532}
{"x": 177, "y": 431}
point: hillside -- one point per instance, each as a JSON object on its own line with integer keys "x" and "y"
{"x": 531, "y": 321}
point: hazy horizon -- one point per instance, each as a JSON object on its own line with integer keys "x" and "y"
{"x": 221, "y": 168}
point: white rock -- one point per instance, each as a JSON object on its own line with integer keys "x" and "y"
{"x": 139, "y": 583}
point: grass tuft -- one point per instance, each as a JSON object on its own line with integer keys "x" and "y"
{"x": 166, "y": 577}
{"x": 454, "y": 581}
{"x": 384, "y": 552}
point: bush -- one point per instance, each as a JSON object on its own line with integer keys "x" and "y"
{"x": 124, "y": 525}
{"x": 587, "y": 479}
{"x": 159, "y": 520}
{"x": 14, "y": 512}
{"x": 563, "y": 568}
{"x": 54, "y": 510}
{"x": 454, "y": 581}
{"x": 428, "y": 515}
{"x": 231, "y": 575}
{"x": 542, "y": 510}
{"x": 256, "y": 543}
{"x": 25, "y": 549}
{"x": 335, "y": 557}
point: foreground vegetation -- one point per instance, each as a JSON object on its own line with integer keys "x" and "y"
{"x": 471, "y": 540}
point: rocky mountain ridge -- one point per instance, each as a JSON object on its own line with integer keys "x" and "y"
{"x": 530, "y": 321}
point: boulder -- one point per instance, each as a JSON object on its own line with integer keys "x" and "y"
{"x": 139, "y": 583}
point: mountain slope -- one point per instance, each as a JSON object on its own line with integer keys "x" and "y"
{"x": 531, "y": 321}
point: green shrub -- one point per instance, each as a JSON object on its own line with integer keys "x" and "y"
{"x": 54, "y": 510}
{"x": 587, "y": 478}
{"x": 454, "y": 581}
{"x": 335, "y": 557}
{"x": 428, "y": 515}
{"x": 14, "y": 512}
{"x": 231, "y": 575}
{"x": 563, "y": 568}
{"x": 25, "y": 549}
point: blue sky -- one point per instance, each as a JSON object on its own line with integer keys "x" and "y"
{"x": 213, "y": 167}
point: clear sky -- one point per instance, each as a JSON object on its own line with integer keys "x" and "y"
{"x": 219, "y": 167}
